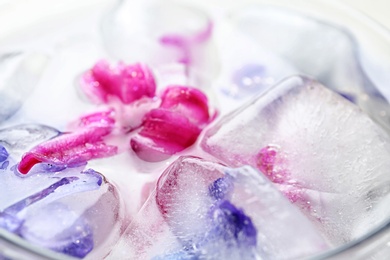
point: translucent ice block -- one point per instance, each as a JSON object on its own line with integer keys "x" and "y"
{"x": 149, "y": 31}
{"x": 247, "y": 68}
{"x": 323, "y": 153}
{"x": 20, "y": 138}
{"x": 322, "y": 50}
{"x": 204, "y": 210}
{"x": 75, "y": 212}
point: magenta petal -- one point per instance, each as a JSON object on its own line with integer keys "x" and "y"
{"x": 163, "y": 133}
{"x": 96, "y": 81}
{"x": 127, "y": 83}
{"x": 137, "y": 82}
{"x": 174, "y": 126}
{"x": 167, "y": 126}
{"x": 188, "y": 101}
{"x": 147, "y": 150}
{"x": 70, "y": 149}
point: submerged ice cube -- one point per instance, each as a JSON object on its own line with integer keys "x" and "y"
{"x": 19, "y": 138}
{"x": 298, "y": 38}
{"x": 321, "y": 151}
{"x": 325, "y": 51}
{"x": 73, "y": 211}
{"x": 247, "y": 68}
{"x": 202, "y": 209}
{"x": 149, "y": 31}
{"x": 74, "y": 236}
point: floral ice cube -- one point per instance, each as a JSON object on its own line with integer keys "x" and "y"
{"x": 321, "y": 151}
{"x": 73, "y": 211}
{"x": 202, "y": 209}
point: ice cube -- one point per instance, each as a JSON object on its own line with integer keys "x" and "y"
{"x": 73, "y": 236}
{"x": 72, "y": 211}
{"x": 148, "y": 31}
{"x": 323, "y": 153}
{"x": 297, "y": 38}
{"x": 202, "y": 209}
{"x": 17, "y": 139}
{"x": 72, "y": 149}
{"x": 247, "y": 68}
{"x": 20, "y": 73}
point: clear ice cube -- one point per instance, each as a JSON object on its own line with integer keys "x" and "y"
{"x": 148, "y": 31}
{"x": 204, "y": 210}
{"x": 322, "y": 50}
{"x": 20, "y": 138}
{"x": 322, "y": 152}
{"x": 73, "y": 211}
{"x": 247, "y": 68}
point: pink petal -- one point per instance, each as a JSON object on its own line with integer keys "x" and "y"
{"x": 188, "y": 101}
{"x": 127, "y": 83}
{"x": 163, "y": 133}
{"x": 174, "y": 126}
{"x": 70, "y": 149}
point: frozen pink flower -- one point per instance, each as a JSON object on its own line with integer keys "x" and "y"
{"x": 174, "y": 126}
{"x": 270, "y": 161}
{"x": 105, "y": 82}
